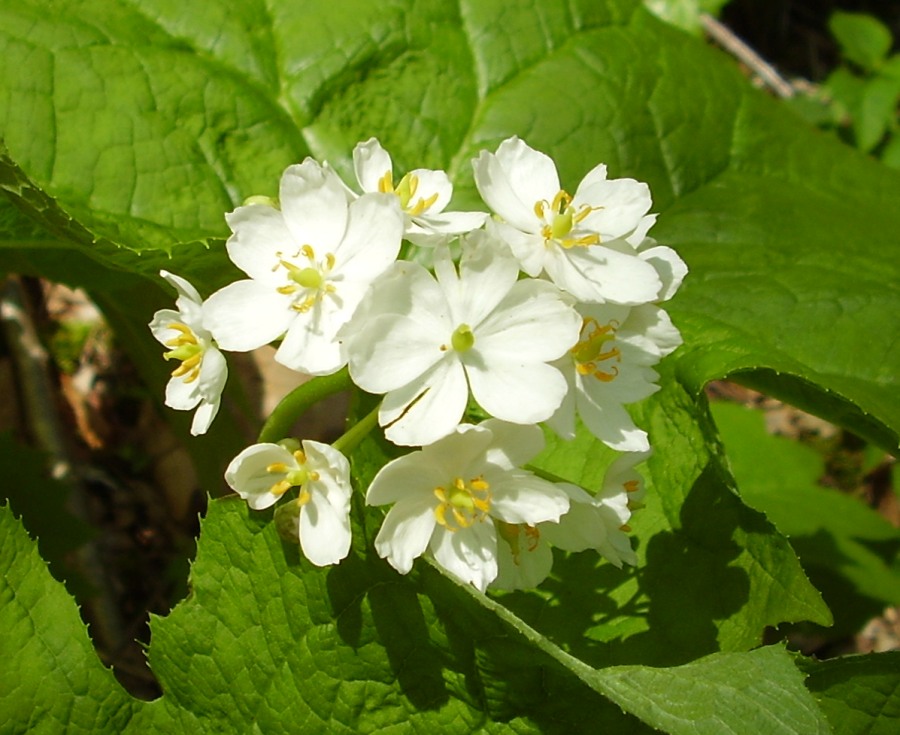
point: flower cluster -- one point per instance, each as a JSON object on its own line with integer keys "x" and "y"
{"x": 545, "y": 310}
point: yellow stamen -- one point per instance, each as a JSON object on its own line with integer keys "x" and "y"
{"x": 591, "y": 352}
{"x": 279, "y": 467}
{"x": 467, "y": 503}
{"x": 560, "y": 218}
{"x": 280, "y": 488}
{"x": 631, "y": 486}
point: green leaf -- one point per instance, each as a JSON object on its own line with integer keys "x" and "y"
{"x": 684, "y": 14}
{"x": 736, "y": 574}
{"x": 860, "y": 695}
{"x": 51, "y": 679}
{"x": 848, "y": 550}
{"x": 864, "y": 39}
{"x": 353, "y": 648}
{"x": 878, "y": 109}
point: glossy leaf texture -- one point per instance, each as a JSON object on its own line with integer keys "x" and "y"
{"x": 129, "y": 129}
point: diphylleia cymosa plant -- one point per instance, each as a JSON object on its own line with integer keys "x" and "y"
{"x": 549, "y": 313}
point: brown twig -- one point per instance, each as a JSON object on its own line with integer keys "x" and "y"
{"x": 723, "y": 36}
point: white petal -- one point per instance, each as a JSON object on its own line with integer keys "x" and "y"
{"x": 520, "y": 497}
{"x": 372, "y": 240}
{"x": 592, "y": 177}
{"x": 160, "y": 325}
{"x": 579, "y": 529}
{"x": 431, "y": 183}
{"x": 612, "y": 425}
{"x": 532, "y": 323}
{"x": 182, "y": 396}
{"x": 599, "y": 273}
{"x": 405, "y": 532}
{"x": 213, "y": 374}
{"x": 188, "y": 301}
{"x": 247, "y": 314}
{"x": 470, "y": 554}
{"x": 445, "y": 223}
{"x": 393, "y": 351}
{"x": 498, "y": 192}
{"x": 527, "y": 248}
{"x": 531, "y": 174}
{"x": 563, "y": 420}
{"x": 260, "y": 239}
{"x": 486, "y": 277}
{"x": 371, "y": 162}
{"x": 204, "y": 415}
{"x": 247, "y": 476}
{"x": 619, "y": 205}
{"x": 670, "y": 267}
{"x": 531, "y": 563}
{"x": 426, "y": 409}
{"x": 513, "y": 445}
{"x": 314, "y": 203}
{"x": 311, "y": 345}
{"x": 524, "y": 394}
{"x": 324, "y": 529}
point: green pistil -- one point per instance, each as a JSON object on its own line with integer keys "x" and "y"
{"x": 591, "y": 348}
{"x": 462, "y": 339}
{"x": 461, "y": 498}
{"x": 307, "y": 277}
{"x": 183, "y": 352}
{"x": 561, "y": 225}
{"x": 297, "y": 477}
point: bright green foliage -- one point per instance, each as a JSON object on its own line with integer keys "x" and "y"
{"x": 131, "y": 128}
{"x": 863, "y": 38}
{"x": 860, "y": 695}
{"x": 849, "y": 551}
{"x": 51, "y": 679}
{"x": 866, "y": 92}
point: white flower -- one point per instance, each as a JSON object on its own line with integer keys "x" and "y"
{"x": 446, "y": 497}
{"x": 593, "y": 522}
{"x": 200, "y": 378}
{"x": 425, "y": 342}
{"x": 263, "y": 473}
{"x": 566, "y": 236}
{"x": 422, "y": 193}
{"x": 309, "y": 263}
{"x": 610, "y": 367}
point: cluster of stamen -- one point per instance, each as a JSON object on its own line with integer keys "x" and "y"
{"x": 406, "y": 192}
{"x": 187, "y": 349}
{"x": 309, "y": 283}
{"x": 462, "y": 504}
{"x": 292, "y": 477}
{"x": 593, "y": 350}
{"x": 509, "y": 532}
{"x": 560, "y": 217}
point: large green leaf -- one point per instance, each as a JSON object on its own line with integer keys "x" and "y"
{"x": 848, "y": 549}
{"x": 145, "y": 124}
{"x": 860, "y": 695}
{"x": 51, "y": 679}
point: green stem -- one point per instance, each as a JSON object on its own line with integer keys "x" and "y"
{"x": 347, "y": 442}
{"x": 299, "y": 401}
{"x": 543, "y": 474}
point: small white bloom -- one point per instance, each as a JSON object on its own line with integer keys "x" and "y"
{"x": 423, "y": 195}
{"x": 446, "y": 497}
{"x": 263, "y": 473}
{"x": 309, "y": 263}
{"x": 425, "y": 342}
{"x": 549, "y": 231}
{"x": 200, "y": 378}
{"x": 592, "y": 522}
{"x": 611, "y": 366}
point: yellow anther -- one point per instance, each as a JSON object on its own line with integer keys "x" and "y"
{"x": 592, "y": 350}
{"x": 300, "y": 456}
{"x": 287, "y": 290}
{"x": 308, "y": 252}
{"x": 386, "y": 183}
{"x": 467, "y": 503}
{"x": 421, "y": 205}
{"x": 631, "y": 486}
{"x": 304, "y": 497}
{"x": 562, "y": 219}
{"x": 280, "y": 488}
{"x": 277, "y": 467}
{"x": 329, "y": 261}
{"x": 625, "y": 527}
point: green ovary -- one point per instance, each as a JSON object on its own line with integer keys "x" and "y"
{"x": 462, "y": 338}
{"x": 307, "y": 277}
